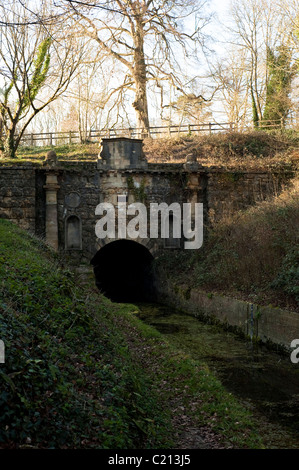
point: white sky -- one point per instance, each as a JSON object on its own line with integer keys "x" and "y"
{"x": 220, "y": 5}
{"x": 221, "y": 9}
{"x": 216, "y": 31}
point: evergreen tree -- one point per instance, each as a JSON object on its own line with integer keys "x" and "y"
{"x": 281, "y": 73}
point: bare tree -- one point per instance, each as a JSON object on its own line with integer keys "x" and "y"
{"x": 86, "y": 94}
{"x": 290, "y": 10}
{"x": 143, "y": 36}
{"x": 37, "y": 63}
{"x": 256, "y": 27}
{"x": 230, "y": 74}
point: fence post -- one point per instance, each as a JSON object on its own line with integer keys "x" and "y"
{"x": 189, "y": 129}
{"x": 210, "y": 128}
{"x": 70, "y": 137}
{"x": 31, "y": 140}
{"x": 51, "y": 139}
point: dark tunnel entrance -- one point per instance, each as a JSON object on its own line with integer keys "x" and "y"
{"x": 123, "y": 271}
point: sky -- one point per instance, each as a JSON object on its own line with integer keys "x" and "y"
{"x": 220, "y": 5}
{"x": 221, "y": 8}
{"x": 217, "y": 43}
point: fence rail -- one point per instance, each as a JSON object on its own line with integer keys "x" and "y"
{"x": 94, "y": 136}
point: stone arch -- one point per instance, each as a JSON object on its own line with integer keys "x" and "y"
{"x": 123, "y": 271}
{"x": 73, "y": 233}
{"x": 153, "y": 246}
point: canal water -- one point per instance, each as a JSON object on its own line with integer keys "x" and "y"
{"x": 265, "y": 381}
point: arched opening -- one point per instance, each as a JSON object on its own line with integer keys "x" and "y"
{"x": 123, "y": 271}
{"x": 73, "y": 237}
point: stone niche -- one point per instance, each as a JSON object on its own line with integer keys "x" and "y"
{"x": 73, "y": 233}
{"x": 121, "y": 153}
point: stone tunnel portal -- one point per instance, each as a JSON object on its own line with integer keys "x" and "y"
{"x": 124, "y": 272}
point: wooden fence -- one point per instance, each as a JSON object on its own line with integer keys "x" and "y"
{"x": 94, "y": 136}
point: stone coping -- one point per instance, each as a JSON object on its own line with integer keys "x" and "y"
{"x": 77, "y": 165}
{"x": 267, "y": 324}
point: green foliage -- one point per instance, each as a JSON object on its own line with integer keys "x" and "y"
{"x": 40, "y": 69}
{"x": 207, "y": 399}
{"x": 3, "y": 110}
{"x": 281, "y": 74}
{"x": 253, "y": 254}
{"x": 69, "y": 379}
{"x": 137, "y": 191}
{"x": 257, "y": 147}
{"x": 288, "y": 277}
{"x": 6, "y": 93}
{"x": 26, "y": 96}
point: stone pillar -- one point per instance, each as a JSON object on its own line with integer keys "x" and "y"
{"x": 192, "y": 185}
{"x": 193, "y": 168}
{"x": 51, "y": 188}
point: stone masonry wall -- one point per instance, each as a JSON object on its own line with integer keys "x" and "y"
{"x": 82, "y": 186}
{"x": 79, "y": 194}
{"x": 229, "y": 192}
{"x": 264, "y": 323}
{"x": 17, "y": 196}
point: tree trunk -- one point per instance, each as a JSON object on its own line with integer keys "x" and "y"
{"x": 139, "y": 76}
{"x": 140, "y": 103}
{"x": 1, "y": 132}
{"x": 10, "y": 147}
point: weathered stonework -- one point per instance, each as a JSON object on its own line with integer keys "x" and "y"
{"x": 35, "y": 197}
{"x": 51, "y": 187}
{"x": 17, "y": 195}
{"x": 83, "y": 180}
{"x": 121, "y": 152}
{"x": 230, "y": 191}
{"x": 263, "y": 323}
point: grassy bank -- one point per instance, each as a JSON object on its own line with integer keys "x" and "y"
{"x": 254, "y": 255}
{"x": 68, "y": 380}
{"x": 81, "y": 372}
{"x": 242, "y": 150}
